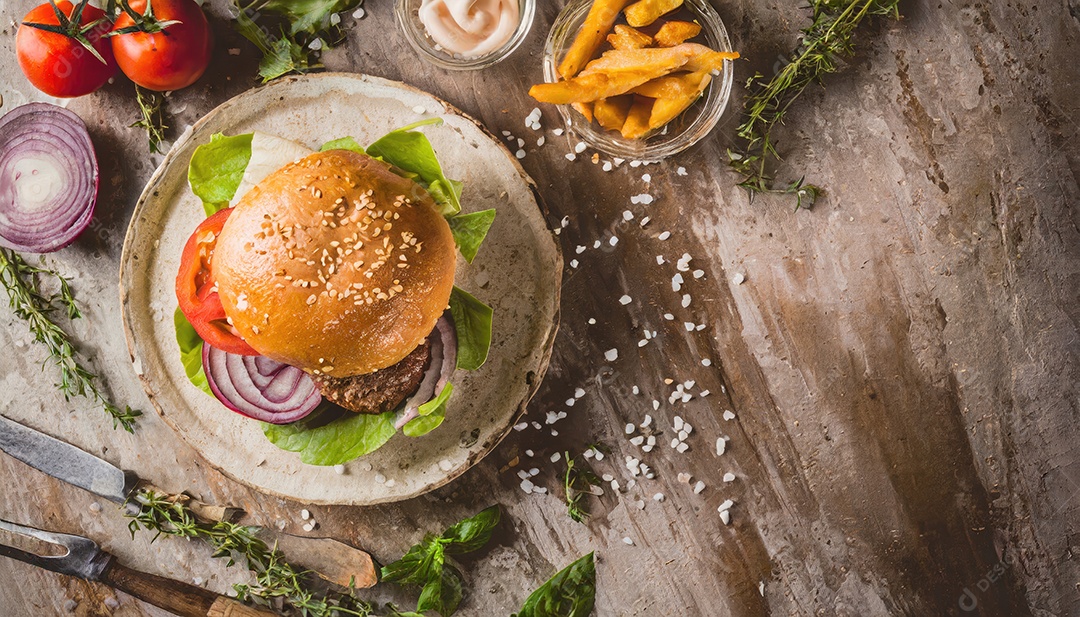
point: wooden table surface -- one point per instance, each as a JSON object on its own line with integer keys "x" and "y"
{"x": 902, "y": 361}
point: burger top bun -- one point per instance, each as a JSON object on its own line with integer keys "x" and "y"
{"x": 335, "y": 264}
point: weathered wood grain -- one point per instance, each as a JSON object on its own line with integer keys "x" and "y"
{"x": 902, "y": 360}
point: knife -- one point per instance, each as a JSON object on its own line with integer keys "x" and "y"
{"x": 333, "y": 561}
{"x": 85, "y": 559}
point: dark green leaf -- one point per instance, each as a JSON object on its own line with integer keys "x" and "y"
{"x": 216, "y": 169}
{"x": 411, "y": 151}
{"x": 308, "y": 15}
{"x": 570, "y": 593}
{"x": 442, "y": 593}
{"x": 472, "y": 321}
{"x": 470, "y": 230}
{"x": 344, "y": 143}
{"x": 191, "y": 351}
{"x": 472, "y": 533}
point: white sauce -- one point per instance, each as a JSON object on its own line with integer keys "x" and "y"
{"x": 470, "y": 28}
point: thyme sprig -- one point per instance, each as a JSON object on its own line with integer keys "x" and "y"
{"x": 822, "y": 45}
{"x": 151, "y": 117}
{"x": 22, "y": 282}
{"x": 578, "y": 481}
{"x": 277, "y": 582}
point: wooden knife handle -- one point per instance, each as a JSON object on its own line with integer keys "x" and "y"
{"x": 180, "y": 598}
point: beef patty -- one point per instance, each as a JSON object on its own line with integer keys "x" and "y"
{"x": 380, "y": 391}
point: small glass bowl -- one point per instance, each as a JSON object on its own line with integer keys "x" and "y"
{"x": 684, "y": 131}
{"x": 408, "y": 18}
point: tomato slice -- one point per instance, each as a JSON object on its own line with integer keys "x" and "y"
{"x": 197, "y": 293}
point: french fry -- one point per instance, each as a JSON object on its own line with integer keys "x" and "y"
{"x": 674, "y": 33}
{"x": 703, "y": 58}
{"x": 642, "y": 60}
{"x": 670, "y": 86}
{"x": 667, "y": 109}
{"x": 611, "y": 113}
{"x": 644, "y": 12}
{"x": 637, "y": 121}
{"x": 598, "y": 22}
{"x": 626, "y": 37}
{"x": 585, "y": 109}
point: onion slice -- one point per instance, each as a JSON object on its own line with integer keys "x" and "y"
{"x": 443, "y": 340}
{"x": 48, "y": 178}
{"x": 260, "y": 388}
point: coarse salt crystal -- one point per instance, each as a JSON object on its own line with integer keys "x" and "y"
{"x": 339, "y": 470}
{"x": 682, "y": 447}
{"x": 664, "y": 235}
{"x": 390, "y": 483}
{"x": 646, "y": 178}
{"x": 611, "y": 355}
{"x": 677, "y": 423}
{"x": 658, "y": 497}
{"x": 592, "y": 321}
{"x": 698, "y": 273}
{"x": 570, "y": 402}
{"x": 613, "y": 240}
{"x": 445, "y": 465}
{"x": 689, "y": 326}
{"x": 683, "y": 478}
{"x": 521, "y": 427}
{"x": 726, "y": 505}
{"x": 557, "y": 132}
{"x": 306, "y": 515}
{"x": 359, "y": 13}
{"x": 700, "y": 486}
{"x": 683, "y": 435}
{"x": 725, "y": 517}
{"x": 659, "y": 260}
{"x": 729, "y": 477}
{"x": 627, "y": 215}
{"x": 706, "y": 362}
{"x": 527, "y": 486}
{"x": 581, "y": 248}
{"x": 579, "y": 392}
{"x": 637, "y": 441}
{"x": 580, "y": 147}
{"x": 721, "y": 446}
{"x": 647, "y": 421}
{"x": 629, "y": 429}
{"x": 570, "y": 156}
{"x": 607, "y": 166}
{"x": 528, "y": 453}
{"x": 685, "y": 300}
{"x": 573, "y": 263}
{"x": 625, "y": 300}
{"x": 728, "y": 415}
{"x": 381, "y": 479}
{"x": 419, "y": 109}
{"x": 688, "y": 428}
{"x": 738, "y": 278}
{"x": 540, "y": 142}
{"x": 681, "y": 171}
{"x": 596, "y": 244}
{"x": 635, "y": 390}
{"x": 555, "y": 457}
{"x": 520, "y": 154}
{"x": 628, "y": 541}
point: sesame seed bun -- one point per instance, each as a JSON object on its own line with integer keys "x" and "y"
{"x": 335, "y": 264}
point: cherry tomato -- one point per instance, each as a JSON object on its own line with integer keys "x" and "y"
{"x": 196, "y": 293}
{"x": 62, "y": 65}
{"x": 166, "y": 46}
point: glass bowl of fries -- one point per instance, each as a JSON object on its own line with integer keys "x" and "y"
{"x": 678, "y": 119}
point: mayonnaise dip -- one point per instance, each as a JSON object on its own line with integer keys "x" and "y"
{"x": 470, "y": 28}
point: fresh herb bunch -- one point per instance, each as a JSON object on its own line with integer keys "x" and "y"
{"x": 275, "y": 579}
{"x": 23, "y": 285}
{"x": 152, "y": 117}
{"x": 428, "y": 564}
{"x": 305, "y": 27}
{"x": 578, "y": 482}
{"x": 823, "y": 44}
{"x": 570, "y": 593}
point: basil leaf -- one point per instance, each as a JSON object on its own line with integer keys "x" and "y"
{"x": 425, "y": 564}
{"x": 470, "y": 230}
{"x": 335, "y": 443}
{"x": 344, "y": 143}
{"x": 216, "y": 169}
{"x": 472, "y": 533}
{"x": 432, "y": 414}
{"x": 570, "y": 593}
{"x": 411, "y": 151}
{"x": 472, "y": 321}
{"x": 308, "y": 15}
{"x": 191, "y": 351}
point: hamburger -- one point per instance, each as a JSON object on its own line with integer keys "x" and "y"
{"x": 338, "y": 266}
{"x": 327, "y": 289}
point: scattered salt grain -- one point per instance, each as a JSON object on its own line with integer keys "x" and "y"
{"x": 677, "y": 423}
{"x": 573, "y": 263}
{"x": 628, "y": 541}
{"x": 557, "y": 132}
{"x": 359, "y": 13}
{"x": 592, "y": 321}
{"x": 570, "y": 156}
{"x": 728, "y": 415}
{"x": 729, "y": 477}
{"x": 611, "y": 355}
{"x": 613, "y": 241}
{"x": 646, "y": 178}
{"x": 419, "y": 109}
{"x": 685, "y": 300}
{"x": 725, "y": 517}
{"x": 381, "y": 479}
{"x": 581, "y": 248}
{"x": 689, "y": 326}
{"x": 681, "y": 171}
{"x": 520, "y": 154}
{"x": 645, "y": 221}
{"x": 529, "y": 453}
{"x": 698, "y": 273}
{"x": 95, "y": 507}
{"x": 580, "y": 147}
{"x": 627, "y": 215}
{"x": 643, "y": 199}
{"x": 607, "y": 166}
{"x": 390, "y": 483}
{"x": 304, "y": 514}
{"x": 540, "y": 142}
{"x": 555, "y": 457}
{"x": 521, "y": 427}
{"x": 706, "y": 362}
{"x": 664, "y": 236}
{"x": 700, "y": 486}
{"x": 659, "y": 260}
{"x": 726, "y": 505}
{"x": 527, "y": 486}
{"x": 625, "y": 300}
{"x": 682, "y": 447}
{"x": 658, "y": 497}
{"x": 637, "y": 441}
{"x": 445, "y": 465}
{"x": 579, "y": 392}
{"x": 738, "y": 278}
{"x": 629, "y": 429}
{"x": 647, "y": 421}
{"x": 339, "y": 470}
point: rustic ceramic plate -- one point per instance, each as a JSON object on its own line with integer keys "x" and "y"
{"x": 518, "y": 273}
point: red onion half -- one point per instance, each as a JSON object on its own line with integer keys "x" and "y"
{"x": 443, "y": 341}
{"x": 260, "y": 388}
{"x": 48, "y": 178}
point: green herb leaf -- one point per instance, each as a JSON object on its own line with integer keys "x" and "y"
{"x": 570, "y": 593}
{"x": 191, "y": 347}
{"x": 472, "y": 533}
{"x": 344, "y": 143}
{"x": 411, "y": 151}
{"x": 470, "y": 230}
{"x": 216, "y": 169}
{"x": 336, "y": 442}
{"x": 578, "y": 482}
{"x": 426, "y": 564}
{"x": 432, "y": 414}
{"x": 472, "y": 321}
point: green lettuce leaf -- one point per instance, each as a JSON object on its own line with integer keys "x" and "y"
{"x": 217, "y": 168}
{"x": 570, "y": 593}
{"x": 336, "y": 442}
{"x": 191, "y": 351}
{"x": 411, "y": 151}
{"x": 472, "y": 321}
{"x": 344, "y": 143}
{"x": 470, "y": 230}
{"x": 432, "y": 414}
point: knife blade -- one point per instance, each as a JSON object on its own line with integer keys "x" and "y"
{"x": 64, "y": 461}
{"x": 85, "y": 559}
{"x": 331, "y": 560}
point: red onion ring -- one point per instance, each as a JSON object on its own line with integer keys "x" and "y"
{"x": 48, "y": 178}
{"x": 260, "y": 388}
{"x": 443, "y": 341}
